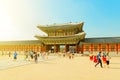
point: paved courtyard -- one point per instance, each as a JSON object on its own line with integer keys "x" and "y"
{"x": 57, "y": 68}
{"x": 8, "y": 62}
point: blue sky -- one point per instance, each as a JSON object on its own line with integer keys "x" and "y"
{"x": 19, "y": 18}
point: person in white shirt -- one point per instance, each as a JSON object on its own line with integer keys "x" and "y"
{"x": 108, "y": 59}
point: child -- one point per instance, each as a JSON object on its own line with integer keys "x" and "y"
{"x": 108, "y": 60}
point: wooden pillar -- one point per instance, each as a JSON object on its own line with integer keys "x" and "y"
{"x": 54, "y": 48}
{"x": 117, "y": 48}
{"x": 58, "y": 48}
{"x": 22, "y": 48}
{"x": 15, "y": 47}
{"x": 91, "y": 48}
{"x": 43, "y": 48}
{"x": 34, "y": 47}
{"x": 39, "y": 48}
{"x": 99, "y": 47}
{"x": 82, "y": 48}
{"x": 66, "y": 48}
{"x": 108, "y": 48}
{"x": 76, "y": 48}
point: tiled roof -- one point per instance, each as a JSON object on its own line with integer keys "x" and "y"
{"x": 22, "y": 42}
{"x": 62, "y": 27}
{"x": 102, "y": 40}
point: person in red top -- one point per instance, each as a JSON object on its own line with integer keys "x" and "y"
{"x": 104, "y": 59}
{"x": 95, "y": 59}
{"x": 91, "y": 57}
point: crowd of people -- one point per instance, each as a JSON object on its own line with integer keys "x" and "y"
{"x": 68, "y": 54}
{"x": 35, "y": 55}
{"x": 101, "y": 58}
{"x": 29, "y": 55}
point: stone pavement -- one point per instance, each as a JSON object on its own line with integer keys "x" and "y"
{"x": 59, "y": 68}
{"x": 10, "y": 63}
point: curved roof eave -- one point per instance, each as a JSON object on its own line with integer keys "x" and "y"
{"x": 55, "y": 27}
{"x": 80, "y": 37}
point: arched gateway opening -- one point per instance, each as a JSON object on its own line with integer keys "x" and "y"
{"x": 61, "y": 48}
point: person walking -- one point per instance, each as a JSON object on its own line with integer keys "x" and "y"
{"x": 35, "y": 57}
{"x": 99, "y": 60}
{"x": 9, "y": 54}
{"x": 108, "y": 60}
{"x": 15, "y": 55}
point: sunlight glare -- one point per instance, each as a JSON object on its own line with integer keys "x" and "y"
{"x": 6, "y": 26}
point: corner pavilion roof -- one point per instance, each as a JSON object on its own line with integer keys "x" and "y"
{"x": 62, "y": 27}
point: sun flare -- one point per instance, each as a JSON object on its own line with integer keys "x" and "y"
{"x": 6, "y": 26}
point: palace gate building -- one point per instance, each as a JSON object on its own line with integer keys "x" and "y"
{"x": 64, "y": 38}
{"x": 67, "y": 36}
